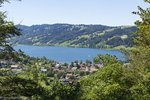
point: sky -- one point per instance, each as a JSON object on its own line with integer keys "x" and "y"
{"x": 105, "y": 12}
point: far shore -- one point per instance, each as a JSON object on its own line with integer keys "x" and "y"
{"x": 120, "y": 48}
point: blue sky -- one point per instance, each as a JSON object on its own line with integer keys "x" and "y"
{"x": 105, "y": 12}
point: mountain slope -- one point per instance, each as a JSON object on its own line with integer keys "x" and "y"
{"x": 92, "y": 36}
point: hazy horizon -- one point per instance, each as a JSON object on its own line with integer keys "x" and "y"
{"x": 73, "y": 24}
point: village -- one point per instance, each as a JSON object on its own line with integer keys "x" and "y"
{"x": 66, "y": 73}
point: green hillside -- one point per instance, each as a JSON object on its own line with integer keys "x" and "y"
{"x": 91, "y": 36}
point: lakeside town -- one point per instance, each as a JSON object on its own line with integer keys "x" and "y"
{"x": 66, "y": 73}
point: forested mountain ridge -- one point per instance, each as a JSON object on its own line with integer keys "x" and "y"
{"x": 92, "y": 36}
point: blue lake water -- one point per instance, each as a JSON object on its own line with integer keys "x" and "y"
{"x": 66, "y": 54}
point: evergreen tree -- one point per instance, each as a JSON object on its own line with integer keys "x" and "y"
{"x": 7, "y": 30}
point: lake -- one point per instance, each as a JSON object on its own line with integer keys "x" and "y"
{"x": 66, "y": 54}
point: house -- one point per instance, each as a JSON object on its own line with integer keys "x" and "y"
{"x": 69, "y": 74}
{"x": 88, "y": 68}
{"x": 43, "y": 70}
{"x": 70, "y": 71}
{"x": 126, "y": 64}
{"x": 83, "y": 69}
{"x": 77, "y": 76}
{"x": 16, "y": 67}
{"x": 57, "y": 66}
{"x": 99, "y": 65}
{"x": 69, "y": 67}
{"x": 93, "y": 69}
{"x": 74, "y": 68}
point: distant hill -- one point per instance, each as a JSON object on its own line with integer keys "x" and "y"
{"x": 91, "y": 36}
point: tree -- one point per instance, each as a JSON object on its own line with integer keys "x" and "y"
{"x": 104, "y": 84}
{"x": 7, "y": 30}
{"x": 11, "y": 85}
{"x": 116, "y": 82}
{"x": 2, "y": 1}
{"x": 15, "y": 86}
{"x": 140, "y": 56}
{"x": 106, "y": 59}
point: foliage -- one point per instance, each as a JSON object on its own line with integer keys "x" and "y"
{"x": 106, "y": 59}
{"x": 141, "y": 55}
{"x": 7, "y": 30}
{"x": 58, "y": 91}
{"x": 103, "y": 85}
{"x": 15, "y": 86}
{"x": 118, "y": 82}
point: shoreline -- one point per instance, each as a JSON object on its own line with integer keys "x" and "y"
{"x": 119, "y": 48}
